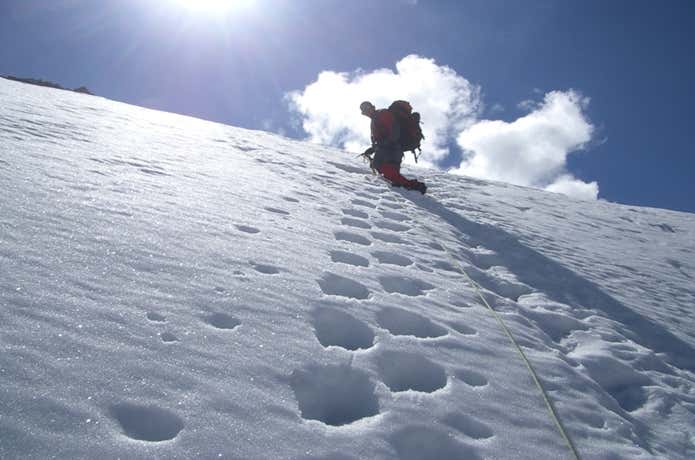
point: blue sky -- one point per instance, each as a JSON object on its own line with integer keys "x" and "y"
{"x": 619, "y": 71}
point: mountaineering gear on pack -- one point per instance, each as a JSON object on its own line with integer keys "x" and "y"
{"x": 410, "y": 133}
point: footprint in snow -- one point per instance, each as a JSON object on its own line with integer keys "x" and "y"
{"x": 156, "y": 317}
{"x": 364, "y": 203}
{"x": 423, "y": 442}
{"x": 445, "y": 265}
{"x": 349, "y": 258}
{"x": 388, "y": 237}
{"x": 332, "y": 284}
{"x": 471, "y": 378}
{"x": 392, "y": 258}
{"x": 337, "y": 328}
{"x": 222, "y": 321}
{"x": 403, "y": 371}
{"x": 147, "y": 423}
{"x": 403, "y": 322}
{"x": 168, "y": 337}
{"x": 392, "y": 205}
{"x": 558, "y": 326}
{"x": 664, "y": 227}
{"x": 277, "y": 211}
{"x": 290, "y": 199}
{"x": 350, "y": 222}
{"x": 247, "y": 148}
{"x": 468, "y": 425}
{"x": 500, "y": 282}
{"x": 265, "y": 269}
{"x": 352, "y": 238}
{"x": 395, "y": 216}
{"x": 368, "y": 196}
{"x": 355, "y": 213}
{"x": 402, "y": 285}
{"x": 334, "y": 395}
{"x": 247, "y": 229}
{"x": 621, "y": 381}
{"x": 393, "y": 226}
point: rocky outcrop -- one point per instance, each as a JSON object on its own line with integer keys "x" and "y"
{"x": 49, "y": 84}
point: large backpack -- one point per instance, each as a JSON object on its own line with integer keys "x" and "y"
{"x": 409, "y": 124}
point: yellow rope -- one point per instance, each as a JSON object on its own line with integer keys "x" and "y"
{"x": 546, "y": 398}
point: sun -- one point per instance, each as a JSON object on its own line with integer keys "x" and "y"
{"x": 214, "y": 6}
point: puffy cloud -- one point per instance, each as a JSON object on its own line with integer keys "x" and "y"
{"x": 568, "y": 185}
{"x": 530, "y": 151}
{"x": 533, "y": 149}
{"x": 329, "y": 107}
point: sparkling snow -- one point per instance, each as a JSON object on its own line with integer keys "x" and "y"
{"x": 173, "y": 288}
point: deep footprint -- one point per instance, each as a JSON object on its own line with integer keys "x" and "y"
{"x": 334, "y": 395}
{"x": 392, "y": 258}
{"x": 471, "y": 378}
{"x": 355, "y": 213}
{"x": 403, "y": 371}
{"x": 366, "y": 204}
{"x": 402, "y": 322}
{"x": 388, "y": 237}
{"x": 168, "y": 337}
{"x": 406, "y": 286}
{"x": 265, "y": 269}
{"x": 350, "y": 222}
{"x": 332, "y": 284}
{"x": 336, "y": 328}
{"x": 352, "y": 238}
{"x": 349, "y": 258}
{"x": 396, "y": 216}
{"x": 156, "y": 317}
{"x": 388, "y": 225}
{"x": 147, "y": 423}
{"x": 223, "y": 321}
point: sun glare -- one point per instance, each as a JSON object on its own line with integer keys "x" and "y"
{"x": 214, "y": 6}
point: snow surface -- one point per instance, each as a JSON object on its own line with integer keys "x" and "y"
{"x": 173, "y": 288}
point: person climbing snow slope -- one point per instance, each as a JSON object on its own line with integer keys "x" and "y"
{"x": 386, "y": 147}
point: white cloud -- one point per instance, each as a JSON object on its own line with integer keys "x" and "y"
{"x": 533, "y": 149}
{"x": 568, "y": 185}
{"x": 530, "y": 151}
{"x": 329, "y": 106}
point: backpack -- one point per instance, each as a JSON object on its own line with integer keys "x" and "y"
{"x": 409, "y": 124}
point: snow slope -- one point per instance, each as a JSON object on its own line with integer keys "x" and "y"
{"x": 173, "y": 288}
